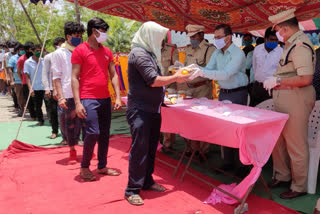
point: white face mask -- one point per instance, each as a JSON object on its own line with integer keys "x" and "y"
{"x": 102, "y": 38}
{"x": 220, "y": 43}
{"x": 280, "y": 38}
{"x": 11, "y": 49}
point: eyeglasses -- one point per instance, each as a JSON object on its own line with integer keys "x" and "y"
{"x": 221, "y": 37}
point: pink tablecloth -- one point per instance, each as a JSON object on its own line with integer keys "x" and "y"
{"x": 252, "y": 130}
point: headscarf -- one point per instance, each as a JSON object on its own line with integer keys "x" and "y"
{"x": 149, "y": 37}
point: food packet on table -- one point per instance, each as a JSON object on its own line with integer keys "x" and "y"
{"x": 173, "y": 99}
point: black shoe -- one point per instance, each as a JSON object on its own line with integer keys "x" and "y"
{"x": 40, "y": 123}
{"x": 276, "y": 183}
{"x": 291, "y": 194}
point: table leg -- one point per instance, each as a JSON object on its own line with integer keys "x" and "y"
{"x": 165, "y": 162}
{"x": 180, "y": 161}
{"x": 187, "y": 166}
{"x": 266, "y": 187}
{"x": 239, "y": 209}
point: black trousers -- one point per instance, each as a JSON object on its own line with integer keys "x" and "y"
{"x": 258, "y": 94}
{"x": 38, "y": 99}
{"x": 53, "y": 112}
{"x": 145, "y": 131}
{"x": 238, "y": 97}
{"x": 30, "y": 106}
{"x": 14, "y": 97}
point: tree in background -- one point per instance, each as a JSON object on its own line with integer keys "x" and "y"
{"x": 14, "y": 23}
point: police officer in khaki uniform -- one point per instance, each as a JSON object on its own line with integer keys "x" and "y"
{"x": 293, "y": 94}
{"x": 198, "y": 52}
{"x": 169, "y": 54}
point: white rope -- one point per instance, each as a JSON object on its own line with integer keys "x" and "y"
{"x": 35, "y": 74}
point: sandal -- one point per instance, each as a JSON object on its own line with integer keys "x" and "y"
{"x": 53, "y": 136}
{"x": 157, "y": 188}
{"x": 87, "y": 175}
{"x": 135, "y": 200}
{"x": 108, "y": 171}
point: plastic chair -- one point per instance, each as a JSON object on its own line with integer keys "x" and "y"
{"x": 314, "y": 147}
{"x": 267, "y": 104}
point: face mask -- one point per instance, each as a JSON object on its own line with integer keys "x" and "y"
{"x": 75, "y": 41}
{"x": 11, "y": 49}
{"x": 194, "y": 43}
{"x": 37, "y": 54}
{"x": 102, "y": 37}
{"x": 247, "y": 43}
{"x": 271, "y": 45}
{"x": 220, "y": 43}
{"x": 3, "y": 51}
{"x": 280, "y": 38}
{"x": 28, "y": 54}
{"x": 21, "y": 53}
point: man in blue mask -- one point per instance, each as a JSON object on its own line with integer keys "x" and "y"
{"x": 265, "y": 61}
{"x": 61, "y": 69}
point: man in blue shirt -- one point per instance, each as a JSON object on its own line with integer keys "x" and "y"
{"x": 36, "y": 89}
{"x": 227, "y": 66}
{"x": 12, "y": 65}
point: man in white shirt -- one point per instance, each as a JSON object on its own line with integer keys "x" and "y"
{"x": 265, "y": 61}
{"x": 50, "y": 90}
{"x": 62, "y": 69}
{"x": 35, "y": 83}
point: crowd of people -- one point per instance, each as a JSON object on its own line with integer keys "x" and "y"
{"x": 73, "y": 81}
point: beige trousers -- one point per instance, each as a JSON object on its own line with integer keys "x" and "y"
{"x": 291, "y": 154}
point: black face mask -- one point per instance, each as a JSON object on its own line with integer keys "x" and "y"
{"x": 28, "y": 54}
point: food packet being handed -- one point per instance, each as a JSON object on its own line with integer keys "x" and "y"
{"x": 176, "y": 66}
{"x": 190, "y": 69}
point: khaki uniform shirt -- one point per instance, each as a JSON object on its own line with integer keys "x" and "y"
{"x": 301, "y": 60}
{"x": 200, "y": 56}
{"x": 169, "y": 54}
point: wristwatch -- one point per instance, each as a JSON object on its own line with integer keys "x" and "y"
{"x": 278, "y": 80}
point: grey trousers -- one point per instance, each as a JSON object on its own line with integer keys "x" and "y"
{"x": 238, "y": 97}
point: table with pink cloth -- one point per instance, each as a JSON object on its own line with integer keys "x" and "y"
{"x": 254, "y": 131}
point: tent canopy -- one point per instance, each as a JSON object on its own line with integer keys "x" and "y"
{"x": 242, "y": 15}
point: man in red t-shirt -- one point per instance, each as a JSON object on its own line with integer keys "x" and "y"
{"x": 92, "y": 66}
{"x": 20, "y": 65}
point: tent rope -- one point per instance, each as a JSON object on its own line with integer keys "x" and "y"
{"x": 35, "y": 74}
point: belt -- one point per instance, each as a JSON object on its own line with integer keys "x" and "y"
{"x": 233, "y": 90}
{"x": 283, "y": 87}
{"x": 197, "y": 84}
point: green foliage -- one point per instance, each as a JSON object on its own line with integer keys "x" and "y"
{"x": 16, "y": 26}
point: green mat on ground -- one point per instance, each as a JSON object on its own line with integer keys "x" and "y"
{"x": 39, "y": 135}
{"x": 32, "y": 134}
